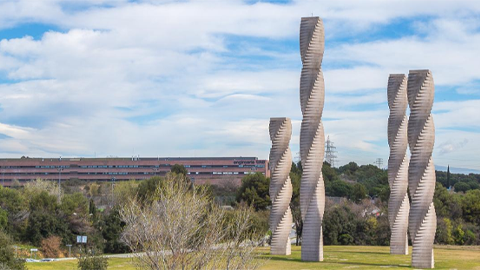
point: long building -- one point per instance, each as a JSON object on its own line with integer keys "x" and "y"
{"x": 220, "y": 171}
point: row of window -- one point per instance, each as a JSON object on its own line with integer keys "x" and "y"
{"x": 36, "y": 167}
{"x": 130, "y": 166}
{"x": 123, "y": 173}
{"x": 220, "y": 172}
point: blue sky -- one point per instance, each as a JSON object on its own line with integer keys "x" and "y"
{"x": 202, "y": 78}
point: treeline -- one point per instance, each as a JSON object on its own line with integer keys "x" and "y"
{"x": 356, "y": 212}
{"x": 45, "y": 216}
{"x": 42, "y": 215}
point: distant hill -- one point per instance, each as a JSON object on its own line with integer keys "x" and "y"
{"x": 456, "y": 170}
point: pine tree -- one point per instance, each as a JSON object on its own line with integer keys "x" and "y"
{"x": 448, "y": 177}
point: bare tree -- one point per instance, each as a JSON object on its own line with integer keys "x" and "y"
{"x": 39, "y": 185}
{"x": 182, "y": 228}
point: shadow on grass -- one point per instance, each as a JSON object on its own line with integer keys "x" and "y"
{"x": 374, "y": 264}
{"x": 361, "y": 252}
{"x": 337, "y": 262}
{"x": 286, "y": 259}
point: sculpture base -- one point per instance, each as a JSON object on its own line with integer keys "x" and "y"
{"x": 422, "y": 262}
{"x": 399, "y": 248}
{"x": 312, "y": 247}
{"x": 284, "y": 251}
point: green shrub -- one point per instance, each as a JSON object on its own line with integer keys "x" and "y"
{"x": 7, "y": 254}
{"x": 89, "y": 261}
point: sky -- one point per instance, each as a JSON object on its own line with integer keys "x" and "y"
{"x": 86, "y": 78}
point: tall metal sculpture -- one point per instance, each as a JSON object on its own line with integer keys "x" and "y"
{"x": 398, "y": 204}
{"x": 421, "y": 172}
{"x": 312, "y": 139}
{"x": 280, "y": 185}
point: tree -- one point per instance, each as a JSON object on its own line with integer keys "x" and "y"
{"x": 461, "y": 187}
{"x": 373, "y": 178}
{"x": 34, "y": 187}
{"x": 92, "y": 209}
{"x": 471, "y": 206}
{"x": 473, "y": 184}
{"x": 448, "y": 176}
{"x": 7, "y": 254}
{"x": 112, "y": 228}
{"x": 16, "y": 207}
{"x": 329, "y": 173}
{"x": 3, "y": 219}
{"x": 458, "y": 235}
{"x": 44, "y": 219}
{"x": 447, "y": 204}
{"x": 184, "y": 229}
{"x": 296, "y": 168}
{"x": 147, "y": 188}
{"x": 124, "y": 190}
{"x": 444, "y": 232}
{"x": 349, "y": 169}
{"x": 339, "y": 188}
{"x": 74, "y": 203}
{"x": 179, "y": 169}
{"x": 340, "y": 225}
{"x": 295, "y": 176}
{"x": 255, "y": 191}
{"x": 358, "y": 193}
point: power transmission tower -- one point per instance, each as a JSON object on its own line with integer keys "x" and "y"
{"x": 330, "y": 152}
{"x": 379, "y": 163}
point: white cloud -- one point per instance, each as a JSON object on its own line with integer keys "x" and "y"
{"x": 450, "y": 146}
{"x": 453, "y": 58}
{"x": 457, "y": 114}
{"x": 163, "y": 77}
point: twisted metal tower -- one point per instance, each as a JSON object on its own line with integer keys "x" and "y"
{"x": 312, "y": 138}
{"x": 421, "y": 172}
{"x": 280, "y": 185}
{"x": 398, "y": 204}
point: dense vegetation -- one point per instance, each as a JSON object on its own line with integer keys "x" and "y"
{"x": 41, "y": 215}
{"x": 37, "y": 213}
{"x": 357, "y": 204}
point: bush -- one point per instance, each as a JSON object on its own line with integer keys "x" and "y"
{"x": 51, "y": 246}
{"x": 89, "y": 261}
{"x": 7, "y": 254}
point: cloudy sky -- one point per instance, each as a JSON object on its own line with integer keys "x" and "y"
{"x": 202, "y": 78}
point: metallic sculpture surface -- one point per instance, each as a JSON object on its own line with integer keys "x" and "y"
{"x": 280, "y": 185}
{"x": 312, "y": 139}
{"x": 398, "y": 204}
{"x": 421, "y": 172}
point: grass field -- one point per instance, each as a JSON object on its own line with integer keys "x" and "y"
{"x": 113, "y": 263}
{"x": 368, "y": 257}
{"x": 336, "y": 257}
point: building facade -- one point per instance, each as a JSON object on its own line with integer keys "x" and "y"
{"x": 220, "y": 171}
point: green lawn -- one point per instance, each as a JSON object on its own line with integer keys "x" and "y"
{"x": 368, "y": 257}
{"x": 336, "y": 257}
{"x": 113, "y": 263}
